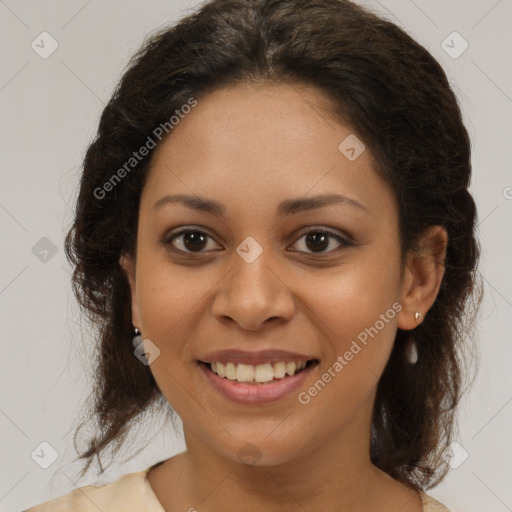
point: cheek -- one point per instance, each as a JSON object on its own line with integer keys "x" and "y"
{"x": 358, "y": 321}
{"x": 170, "y": 299}
{"x": 353, "y": 296}
{"x": 356, "y": 308}
{"x": 171, "y": 305}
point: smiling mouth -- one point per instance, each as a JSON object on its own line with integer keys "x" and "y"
{"x": 258, "y": 374}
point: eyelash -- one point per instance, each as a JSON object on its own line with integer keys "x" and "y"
{"x": 167, "y": 241}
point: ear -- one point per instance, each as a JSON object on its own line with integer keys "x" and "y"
{"x": 423, "y": 273}
{"x": 128, "y": 266}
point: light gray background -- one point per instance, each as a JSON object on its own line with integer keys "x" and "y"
{"x": 50, "y": 110}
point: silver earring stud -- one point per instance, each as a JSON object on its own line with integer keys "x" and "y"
{"x": 417, "y": 315}
{"x": 137, "y": 339}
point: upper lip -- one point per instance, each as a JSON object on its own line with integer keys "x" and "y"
{"x": 254, "y": 358}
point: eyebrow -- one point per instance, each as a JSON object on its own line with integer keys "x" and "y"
{"x": 287, "y": 207}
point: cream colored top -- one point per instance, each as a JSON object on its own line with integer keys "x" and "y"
{"x": 133, "y": 493}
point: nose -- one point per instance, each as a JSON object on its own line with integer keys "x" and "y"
{"x": 253, "y": 295}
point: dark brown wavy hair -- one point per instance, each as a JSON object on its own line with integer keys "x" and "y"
{"x": 394, "y": 95}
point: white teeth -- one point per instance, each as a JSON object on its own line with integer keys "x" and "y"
{"x": 290, "y": 368}
{"x": 256, "y": 373}
{"x": 263, "y": 373}
{"x": 244, "y": 372}
{"x": 279, "y": 370}
{"x": 230, "y": 371}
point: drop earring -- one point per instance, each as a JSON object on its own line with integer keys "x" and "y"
{"x": 137, "y": 339}
{"x": 412, "y": 350}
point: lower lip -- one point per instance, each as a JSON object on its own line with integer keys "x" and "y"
{"x": 256, "y": 393}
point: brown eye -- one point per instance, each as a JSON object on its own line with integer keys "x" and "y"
{"x": 190, "y": 240}
{"x": 318, "y": 240}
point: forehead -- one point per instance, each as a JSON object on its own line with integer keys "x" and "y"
{"x": 242, "y": 119}
{"x": 266, "y": 142}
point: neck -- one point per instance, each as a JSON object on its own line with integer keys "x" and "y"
{"x": 334, "y": 474}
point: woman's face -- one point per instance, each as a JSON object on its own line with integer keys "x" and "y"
{"x": 254, "y": 282}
